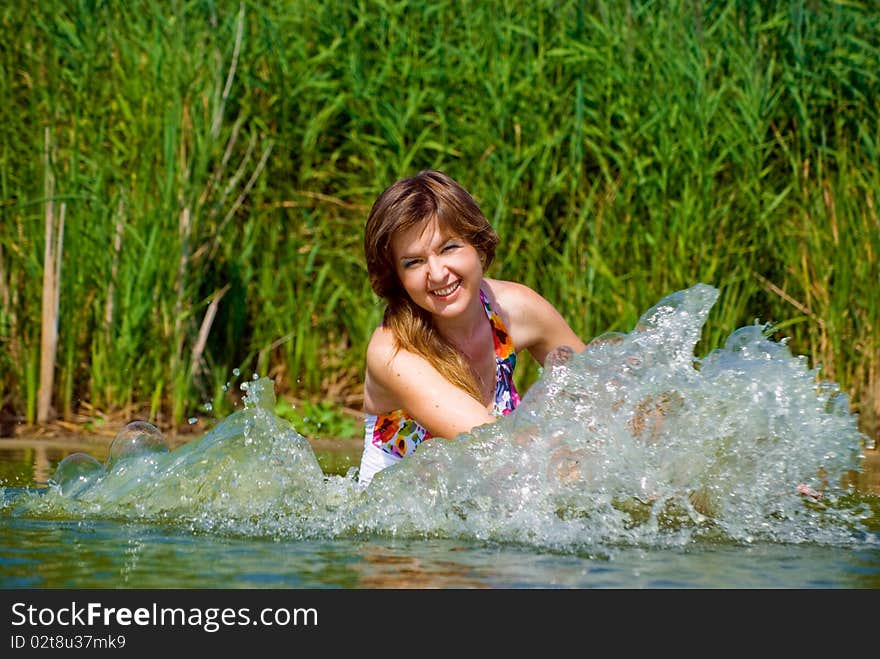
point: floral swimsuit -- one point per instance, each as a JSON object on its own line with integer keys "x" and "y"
{"x": 396, "y": 434}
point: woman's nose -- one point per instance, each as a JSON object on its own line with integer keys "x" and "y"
{"x": 436, "y": 269}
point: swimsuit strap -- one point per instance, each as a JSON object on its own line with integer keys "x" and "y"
{"x": 503, "y": 344}
{"x": 506, "y": 395}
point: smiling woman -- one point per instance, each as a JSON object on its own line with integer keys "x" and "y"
{"x": 442, "y": 360}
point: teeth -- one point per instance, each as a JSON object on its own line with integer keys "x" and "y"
{"x": 441, "y": 292}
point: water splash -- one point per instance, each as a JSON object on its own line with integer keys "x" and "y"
{"x": 76, "y": 472}
{"x": 633, "y": 441}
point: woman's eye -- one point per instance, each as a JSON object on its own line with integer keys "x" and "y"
{"x": 409, "y": 263}
{"x": 449, "y": 247}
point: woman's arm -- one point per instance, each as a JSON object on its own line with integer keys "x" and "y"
{"x": 404, "y": 380}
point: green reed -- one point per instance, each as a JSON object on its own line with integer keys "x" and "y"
{"x": 217, "y": 161}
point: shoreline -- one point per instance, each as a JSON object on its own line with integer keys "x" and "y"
{"x": 61, "y": 435}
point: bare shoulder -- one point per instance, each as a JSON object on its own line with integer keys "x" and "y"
{"x": 515, "y": 301}
{"x": 392, "y": 370}
{"x": 382, "y": 360}
{"x": 533, "y": 322}
{"x": 382, "y": 363}
{"x": 381, "y": 345}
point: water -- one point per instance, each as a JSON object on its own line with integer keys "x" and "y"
{"x": 632, "y": 465}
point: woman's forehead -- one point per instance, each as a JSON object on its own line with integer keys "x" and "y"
{"x": 426, "y": 232}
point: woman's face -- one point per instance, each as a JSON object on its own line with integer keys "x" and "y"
{"x": 440, "y": 271}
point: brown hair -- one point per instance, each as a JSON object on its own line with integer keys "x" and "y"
{"x": 410, "y": 202}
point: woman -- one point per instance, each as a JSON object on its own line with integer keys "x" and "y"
{"x": 441, "y": 363}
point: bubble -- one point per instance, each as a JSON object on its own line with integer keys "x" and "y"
{"x": 208, "y": 407}
{"x": 236, "y": 372}
{"x": 76, "y": 472}
{"x": 192, "y": 420}
{"x": 137, "y": 438}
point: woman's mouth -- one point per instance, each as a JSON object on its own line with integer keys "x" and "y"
{"x": 449, "y": 290}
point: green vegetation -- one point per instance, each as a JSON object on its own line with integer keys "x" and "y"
{"x": 213, "y": 164}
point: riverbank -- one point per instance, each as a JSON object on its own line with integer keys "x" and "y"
{"x": 32, "y": 455}
{"x": 65, "y": 435}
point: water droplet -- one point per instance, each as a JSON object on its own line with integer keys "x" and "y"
{"x": 192, "y": 420}
{"x": 236, "y": 372}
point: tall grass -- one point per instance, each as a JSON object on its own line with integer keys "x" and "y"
{"x": 217, "y": 161}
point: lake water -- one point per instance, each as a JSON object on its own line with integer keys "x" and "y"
{"x": 632, "y": 465}
{"x": 113, "y": 553}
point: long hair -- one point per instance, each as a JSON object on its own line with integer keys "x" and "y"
{"x": 410, "y": 202}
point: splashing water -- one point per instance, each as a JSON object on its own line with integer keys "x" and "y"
{"x": 633, "y": 441}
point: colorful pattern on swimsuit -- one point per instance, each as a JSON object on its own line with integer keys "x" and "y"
{"x": 399, "y": 435}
